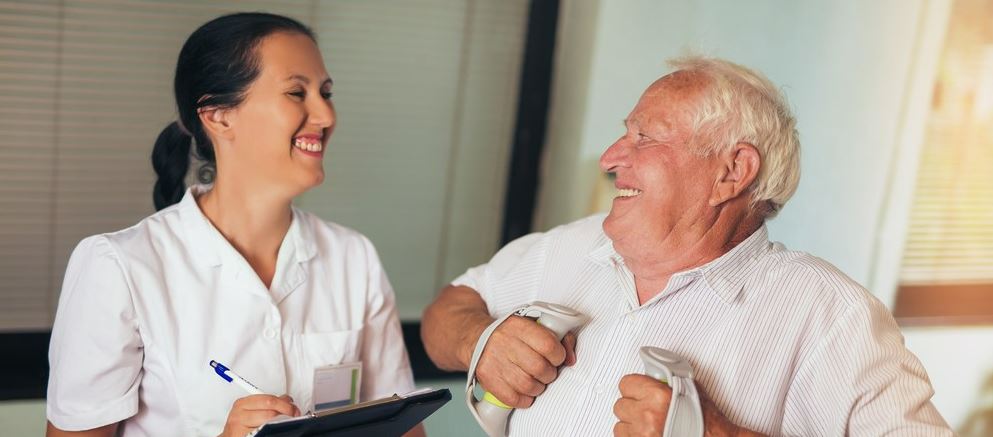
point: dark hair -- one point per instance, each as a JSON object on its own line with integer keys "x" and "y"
{"x": 216, "y": 66}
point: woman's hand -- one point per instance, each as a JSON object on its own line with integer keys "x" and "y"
{"x": 251, "y": 412}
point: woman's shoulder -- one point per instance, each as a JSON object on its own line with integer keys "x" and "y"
{"x": 143, "y": 238}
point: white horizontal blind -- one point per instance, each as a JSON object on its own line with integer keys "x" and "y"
{"x": 85, "y": 87}
{"x": 28, "y": 94}
{"x": 426, "y": 101}
{"x": 951, "y": 226}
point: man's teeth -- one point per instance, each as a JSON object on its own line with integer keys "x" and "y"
{"x": 302, "y": 144}
{"x": 627, "y": 192}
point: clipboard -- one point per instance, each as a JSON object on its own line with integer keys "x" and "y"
{"x": 387, "y": 417}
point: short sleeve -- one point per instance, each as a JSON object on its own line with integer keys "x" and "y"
{"x": 386, "y": 366}
{"x": 95, "y": 355}
{"x": 863, "y": 381}
{"x": 517, "y": 265}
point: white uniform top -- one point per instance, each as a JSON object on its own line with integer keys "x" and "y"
{"x": 783, "y": 342}
{"x": 145, "y": 309}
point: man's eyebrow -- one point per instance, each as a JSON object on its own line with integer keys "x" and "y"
{"x": 306, "y": 80}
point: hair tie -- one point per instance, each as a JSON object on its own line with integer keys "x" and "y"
{"x": 179, "y": 124}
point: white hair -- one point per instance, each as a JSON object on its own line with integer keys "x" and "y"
{"x": 742, "y": 106}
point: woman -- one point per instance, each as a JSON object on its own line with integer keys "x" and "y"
{"x": 230, "y": 272}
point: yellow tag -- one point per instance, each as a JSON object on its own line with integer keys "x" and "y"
{"x": 493, "y": 400}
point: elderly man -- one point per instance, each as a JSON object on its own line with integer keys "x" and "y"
{"x": 782, "y": 342}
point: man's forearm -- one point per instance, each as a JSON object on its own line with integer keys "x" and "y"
{"x": 452, "y": 324}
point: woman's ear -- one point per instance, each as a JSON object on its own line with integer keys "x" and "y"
{"x": 216, "y": 122}
{"x": 739, "y": 168}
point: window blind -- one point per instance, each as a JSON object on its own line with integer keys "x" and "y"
{"x": 425, "y": 92}
{"x": 950, "y": 238}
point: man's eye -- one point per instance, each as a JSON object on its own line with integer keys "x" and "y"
{"x": 645, "y": 141}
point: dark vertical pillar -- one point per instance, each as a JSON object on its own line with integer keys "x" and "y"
{"x": 532, "y": 119}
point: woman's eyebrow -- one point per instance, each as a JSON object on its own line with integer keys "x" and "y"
{"x": 306, "y": 80}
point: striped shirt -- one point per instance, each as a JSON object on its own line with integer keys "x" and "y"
{"x": 781, "y": 341}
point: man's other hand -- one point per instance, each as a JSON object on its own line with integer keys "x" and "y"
{"x": 644, "y": 404}
{"x": 520, "y": 359}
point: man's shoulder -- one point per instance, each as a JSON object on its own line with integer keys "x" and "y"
{"x": 561, "y": 244}
{"x": 586, "y": 231}
{"x": 811, "y": 274}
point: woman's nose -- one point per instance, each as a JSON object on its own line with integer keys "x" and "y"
{"x": 322, "y": 114}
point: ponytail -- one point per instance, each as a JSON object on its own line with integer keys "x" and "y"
{"x": 171, "y": 160}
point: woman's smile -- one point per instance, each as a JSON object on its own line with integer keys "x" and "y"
{"x": 311, "y": 145}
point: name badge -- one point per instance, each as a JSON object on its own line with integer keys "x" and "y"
{"x": 337, "y": 386}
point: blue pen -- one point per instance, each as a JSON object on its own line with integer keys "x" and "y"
{"x": 229, "y": 376}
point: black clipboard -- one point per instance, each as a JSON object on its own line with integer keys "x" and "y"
{"x": 387, "y": 417}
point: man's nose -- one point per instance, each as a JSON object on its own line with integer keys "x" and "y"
{"x": 615, "y": 156}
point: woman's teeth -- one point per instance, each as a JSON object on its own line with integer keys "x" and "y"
{"x": 307, "y": 145}
{"x": 627, "y": 192}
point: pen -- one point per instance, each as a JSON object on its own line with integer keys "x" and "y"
{"x": 229, "y": 376}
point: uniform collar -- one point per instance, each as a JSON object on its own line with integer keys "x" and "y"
{"x": 210, "y": 248}
{"x": 298, "y": 247}
{"x": 725, "y": 275}
{"x": 202, "y": 237}
{"x": 303, "y": 237}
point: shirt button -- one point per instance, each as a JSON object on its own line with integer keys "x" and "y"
{"x": 270, "y": 333}
{"x": 598, "y": 389}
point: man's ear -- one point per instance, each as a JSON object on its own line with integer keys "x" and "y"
{"x": 216, "y": 122}
{"x": 739, "y": 168}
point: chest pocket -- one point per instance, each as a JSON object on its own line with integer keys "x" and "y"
{"x": 329, "y": 348}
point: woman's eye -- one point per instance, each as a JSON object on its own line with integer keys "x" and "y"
{"x": 298, "y": 94}
{"x": 327, "y": 95}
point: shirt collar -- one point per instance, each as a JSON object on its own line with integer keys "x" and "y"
{"x": 724, "y": 276}
{"x": 603, "y": 253}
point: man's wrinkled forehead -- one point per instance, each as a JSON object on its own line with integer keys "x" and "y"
{"x": 668, "y": 102}
{"x": 686, "y": 84}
